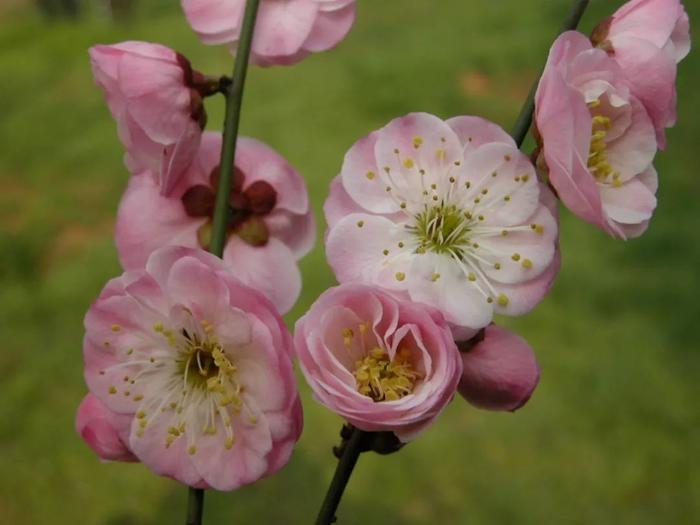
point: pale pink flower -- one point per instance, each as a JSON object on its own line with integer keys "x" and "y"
{"x": 381, "y": 363}
{"x": 598, "y": 141}
{"x": 647, "y": 38}
{"x": 500, "y": 371}
{"x": 271, "y": 223}
{"x": 197, "y": 368}
{"x": 100, "y": 428}
{"x": 449, "y": 214}
{"x": 286, "y": 31}
{"x": 150, "y": 90}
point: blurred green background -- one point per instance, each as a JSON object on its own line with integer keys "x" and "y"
{"x": 612, "y": 435}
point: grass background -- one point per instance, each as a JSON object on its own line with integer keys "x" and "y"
{"x": 612, "y": 434}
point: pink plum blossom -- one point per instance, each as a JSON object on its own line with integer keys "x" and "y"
{"x": 150, "y": 90}
{"x": 500, "y": 371}
{"x": 286, "y": 31}
{"x": 381, "y": 363}
{"x": 598, "y": 142}
{"x": 271, "y": 223}
{"x": 195, "y": 371}
{"x": 449, "y": 214}
{"x": 647, "y": 38}
{"x": 100, "y": 427}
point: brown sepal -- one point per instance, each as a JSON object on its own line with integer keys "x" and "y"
{"x": 253, "y": 231}
{"x": 199, "y": 201}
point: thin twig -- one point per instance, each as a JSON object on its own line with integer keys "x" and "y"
{"x": 524, "y": 121}
{"x": 231, "y": 124}
{"x": 195, "y": 506}
{"x": 354, "y": 445}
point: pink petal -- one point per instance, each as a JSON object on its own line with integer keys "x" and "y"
{"x": 260, "y": 162}
{"x": 630, "y": 207}
{"x": 476, "y": 131}
{"x": 330, "y": 28}
{"x": 653, "y": 20}
{"x": 244, "y": 463}
{"x": 564, "y": 123}
{"x": 271, "y": 269}
{"x": 652, "y": 76}
{"x": 459, "y": 300}
{"x": 518, "y": 246}
{"x": 282, "y": 27}
{"x": 515, "y": 180}
{"x": 146, "y": 220}
{"x": 214, "y": 21}
{"x": 374, "y": 236}
{"x": 338, "y": 204}
{"x": 635, "y": 149}
{"x": 436, "y": 153}
{"x": 99, "y": 428}
{"x": 365, "y": 181}
{"x": 297, "y": 232}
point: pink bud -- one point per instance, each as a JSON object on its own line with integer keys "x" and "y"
{"x": 160, "y": 116}
{"x": 96, "y": 425}
{"x": 500, "y": 372}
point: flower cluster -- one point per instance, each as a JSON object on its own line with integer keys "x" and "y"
{"x": 434, "y": 228}
{"x": 188, "y": 362}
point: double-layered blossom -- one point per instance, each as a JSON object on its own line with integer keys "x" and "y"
{"x": 647, "y": 38}
{"x": 270, "y": 225}
{"x": 150, "y": 90}
{"x": 598, "y": 142}
{"x": 449, "y": 214}
{"x": 286, "y": 31}
{"x": 500, "y": 371}
{"x": 192, "y": 370}
{"x": 381, "y": 363}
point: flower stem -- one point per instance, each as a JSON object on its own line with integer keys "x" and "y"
{"x": 522, "y": 125}
{"x": 354, "y": 445}
{"x": 231, "y": 124}
{"x": 195, "y": 506}
{"x": 234, "y": 99}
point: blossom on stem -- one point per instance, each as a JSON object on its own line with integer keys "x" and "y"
{"x": 597, "y": 140}
{"x": 195, "y": 369}
{"x": 270, "y": 226}
{"x": 500, "y": 371}
{"x": 286, "y": 31}
{"x": 381, "y": 363}
{"x": 449, "y": 214}
{"x": 152, "y": 93}
{"x": 648, "y": 38}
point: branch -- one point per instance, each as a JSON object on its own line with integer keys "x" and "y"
{"x": 522, "y": 125}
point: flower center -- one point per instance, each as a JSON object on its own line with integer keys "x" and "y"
{"x": 246, "y": 208}
{"x": 441, "y": 229}
{"x": 598, "y": 162}
{"x": 205, "y": 366}
{"x": 383, "y": 380}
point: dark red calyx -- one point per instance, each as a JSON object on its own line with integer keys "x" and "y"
{"x": 253, "y": 231}
{"x": 199, "y": 201}
{"x": 262, "y": 197}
